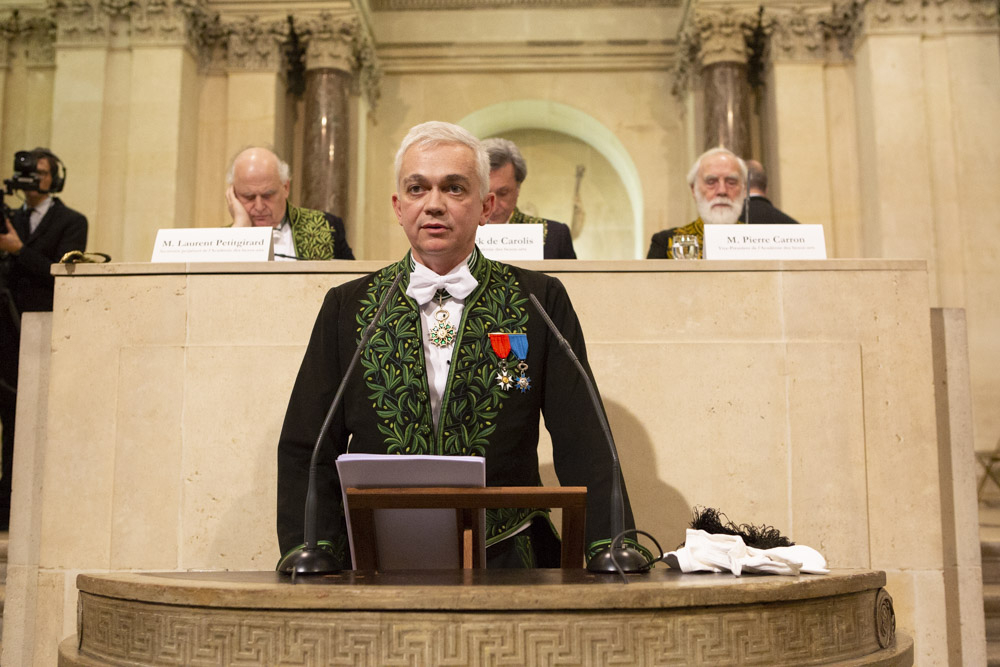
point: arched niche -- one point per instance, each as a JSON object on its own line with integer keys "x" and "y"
{"x": 509, "y": 119}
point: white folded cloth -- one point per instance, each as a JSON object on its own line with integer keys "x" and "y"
{"x": 706, "y": 552}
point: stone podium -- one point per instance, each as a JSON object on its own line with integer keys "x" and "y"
{"x": 795, "y": 393}
{"x": 485, "y": 617}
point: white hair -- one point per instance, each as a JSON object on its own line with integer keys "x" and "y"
{"x": 693, "y": 173}
{"x": 437, "y": 132}
{"x": 284, "y": 171}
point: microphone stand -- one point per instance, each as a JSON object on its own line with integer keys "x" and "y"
{"x": 616, "y": 557}
{"x": 311, "y": 558}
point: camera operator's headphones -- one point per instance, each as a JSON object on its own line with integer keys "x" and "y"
{"x": 56, "y": 166}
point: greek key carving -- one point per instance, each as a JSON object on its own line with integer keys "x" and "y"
{"x": 125, "y": 632}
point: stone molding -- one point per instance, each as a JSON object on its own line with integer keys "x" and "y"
{"x": 30, "y": 36}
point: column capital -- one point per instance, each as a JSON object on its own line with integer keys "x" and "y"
{"x": 166, "y": 22}
{"x": 799, "y": 33}
{"x": 255, "y": 46}
{"x": 31, "y": 33}
{"x": 85, "y": 22}
{"x": 341, "y": 42}
{"x": 712, "y": 34}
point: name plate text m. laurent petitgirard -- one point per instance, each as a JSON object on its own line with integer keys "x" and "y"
{"x": 764, "y": 242}
{"x": 214, "y": 244}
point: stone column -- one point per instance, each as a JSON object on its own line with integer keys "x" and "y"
{"x": 27, "y": 66}
{"x": 795, "y": 120}
{"x": 330, "y": 67}
{"x": 85, "y": 33}
{"x": 719, "y": 37}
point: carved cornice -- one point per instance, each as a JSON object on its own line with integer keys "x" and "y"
{"x": 925, "y": 17}
{"x": 30, "y": 36}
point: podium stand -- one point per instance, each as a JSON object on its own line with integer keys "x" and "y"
{"x": 467, "y": 502}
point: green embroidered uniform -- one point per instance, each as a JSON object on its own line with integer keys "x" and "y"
{"x": 558, "y": 243}
{"x": 387, "y": 407}
{"x": 317, "y": 235}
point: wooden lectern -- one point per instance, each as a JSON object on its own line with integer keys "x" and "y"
{"x": 467, "y": 502}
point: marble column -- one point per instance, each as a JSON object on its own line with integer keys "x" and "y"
{"x": 720, "y": 35}
{"x": 727, "y": 106}
{"x": 325, "y": 165}
{"x": 330, "y": 67}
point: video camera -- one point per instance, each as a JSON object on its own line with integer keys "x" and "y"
{"x": 26, "y": 176}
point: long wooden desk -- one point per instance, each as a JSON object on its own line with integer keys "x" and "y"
{"x": 485, "y": 617}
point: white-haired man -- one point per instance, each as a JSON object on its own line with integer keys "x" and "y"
{"x": 259, "y": 183}
{"x": 718, "y": 183}
{"x": 507, "y": 172}
{"x": 460, "y": 364}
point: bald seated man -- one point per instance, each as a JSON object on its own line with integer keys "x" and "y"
{"x": 259, "y": 182}
{"x": 718, "y": 183}
{"x": 759, "y": 209}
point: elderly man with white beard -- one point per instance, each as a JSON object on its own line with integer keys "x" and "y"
{"x": 718, "y": 182}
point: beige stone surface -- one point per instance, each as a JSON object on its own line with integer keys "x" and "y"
{"x": 798, "y": 394}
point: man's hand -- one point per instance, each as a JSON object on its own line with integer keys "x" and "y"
{"x": 236, "y": 211}
{"x": 10, "y": 242}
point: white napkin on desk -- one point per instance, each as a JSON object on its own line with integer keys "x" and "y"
{"x": 705, "y": 552}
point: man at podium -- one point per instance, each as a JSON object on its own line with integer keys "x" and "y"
{"x": 461, "y": 363}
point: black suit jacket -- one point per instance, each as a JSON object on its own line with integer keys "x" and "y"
{"x": 558, "y": 241}
{"x": 763, "y": 212}
{"x": 29, "y": 278}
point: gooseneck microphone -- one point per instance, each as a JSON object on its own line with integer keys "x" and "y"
{"x": 311, "y": 558}
{"x": 616, "y": 557}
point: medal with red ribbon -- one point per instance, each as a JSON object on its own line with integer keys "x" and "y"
{"x": 503, "y": 344}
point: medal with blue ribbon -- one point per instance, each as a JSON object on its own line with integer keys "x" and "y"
{"x": 519, "y": 346}
{"x": 503, "y": 344}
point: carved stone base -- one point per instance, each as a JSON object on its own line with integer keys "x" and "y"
{"x": 485, "y": 618}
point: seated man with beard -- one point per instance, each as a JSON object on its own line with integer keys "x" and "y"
{"x": 718, "y": 182}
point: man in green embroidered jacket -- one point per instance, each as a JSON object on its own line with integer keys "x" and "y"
{"x": 718, "y": 183}
{"x": 437, "y": 377}
{"x": 259, "y": 183}
{"x": 507, "y": 171}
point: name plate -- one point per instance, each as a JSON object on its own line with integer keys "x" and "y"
{"x": 764, "y": 242}
{"x": 506, "y": 242}
{"x": 214, "y": 244}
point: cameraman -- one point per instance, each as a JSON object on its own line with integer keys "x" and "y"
{"x": 33, "y": 238}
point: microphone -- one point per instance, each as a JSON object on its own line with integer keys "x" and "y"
{"x": 311, "y": 558}
{"x": 746, "y": 209}
{"x": 615, "y": 558}
{"x": 278, "y": 254}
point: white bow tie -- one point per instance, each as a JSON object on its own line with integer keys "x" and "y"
{"x": 424, "y": 283}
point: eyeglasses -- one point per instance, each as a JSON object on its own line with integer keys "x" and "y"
{"x": 43, "y": 172}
